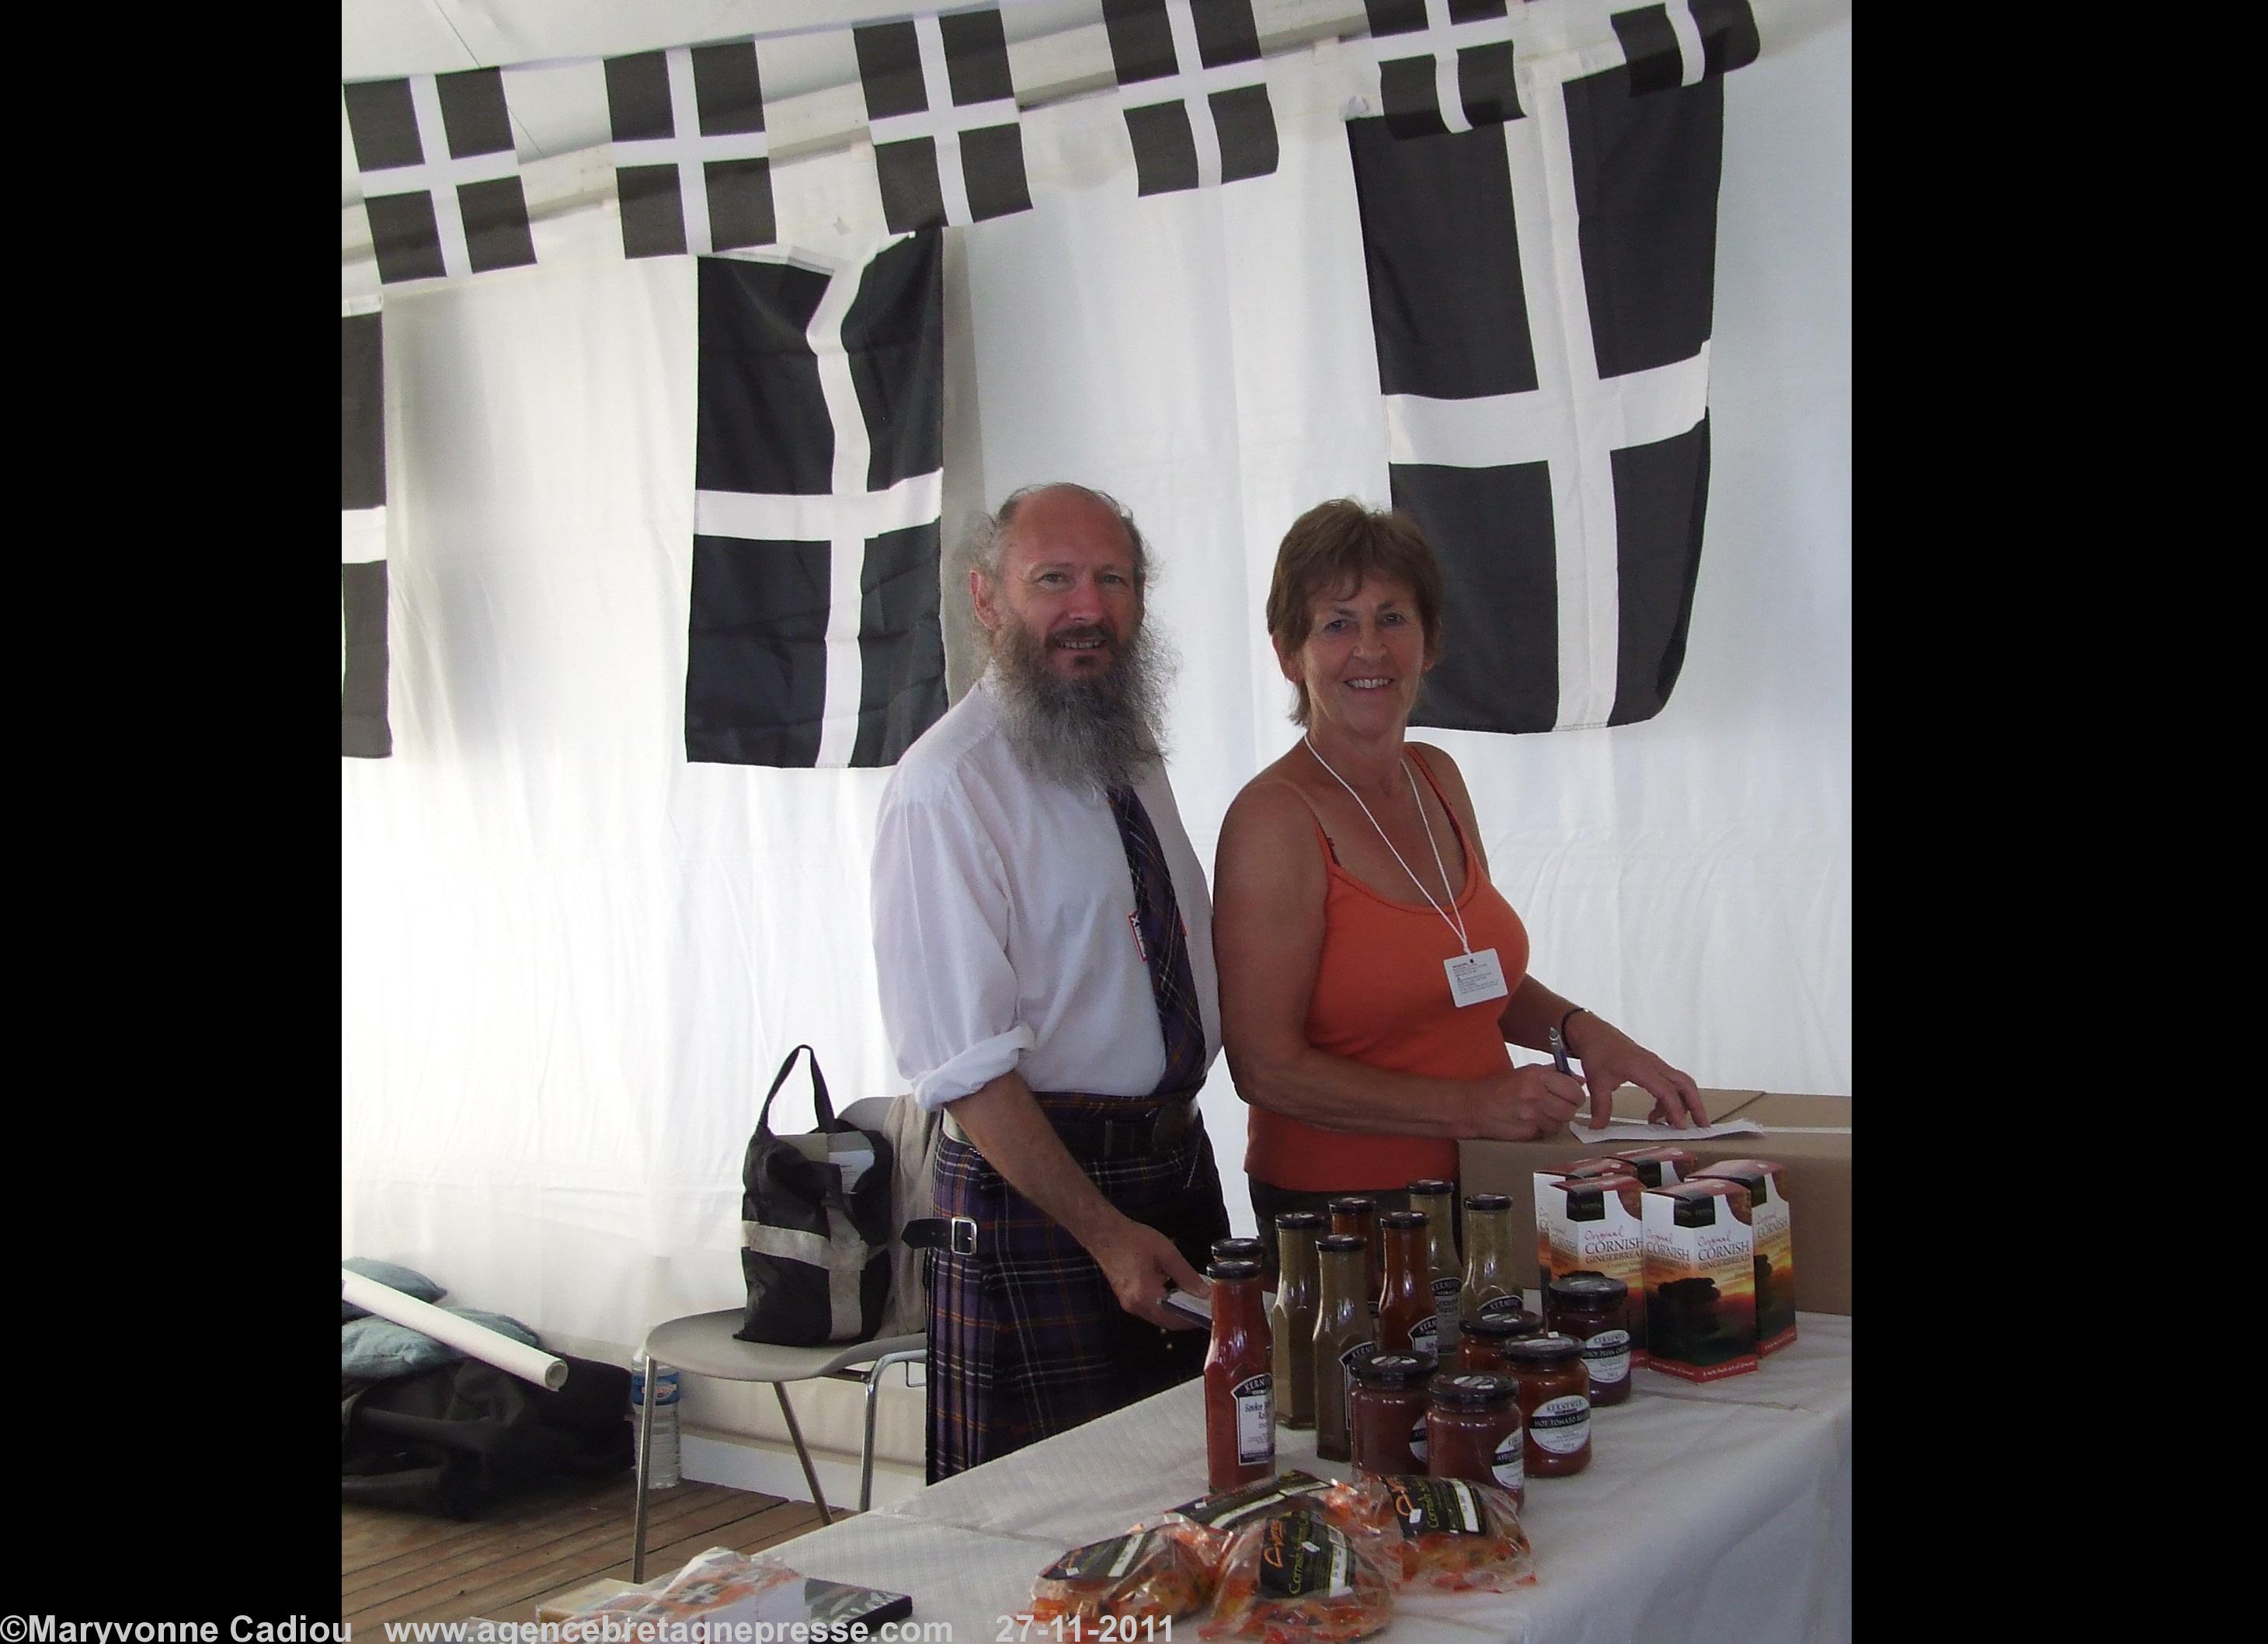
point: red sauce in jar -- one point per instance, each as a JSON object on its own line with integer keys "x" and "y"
{"x": 1385, "y": 1413}
{"x": 1554, "y": 1403}
{"x": 1480, "y": 1350}
{"x": 1474, "y": 1430}
{"x": 1594, "y": 1310}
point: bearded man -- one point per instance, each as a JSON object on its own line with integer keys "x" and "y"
{"x": 1044, "y": 941}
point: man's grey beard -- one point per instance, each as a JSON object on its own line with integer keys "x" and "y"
{"x": 1082, "y": 733}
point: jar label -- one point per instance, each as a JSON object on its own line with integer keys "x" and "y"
{"x": 1303, "y": 1557}
{"x": 1102, "y": 1561}
{"x": 1255, "y": 1420}
{"x": 1417, "y": 1440}
{"x": 1509, "y": 1464}
{"x": 1606, "y": 1356}
{"x": 1436, "y": 1506}
{"x": 1346, "y": 1373}
{"x": 1561, "y": 1425}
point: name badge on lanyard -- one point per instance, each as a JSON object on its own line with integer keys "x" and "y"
{"x": 1475, "y": 978}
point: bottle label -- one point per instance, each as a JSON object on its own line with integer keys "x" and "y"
{"x": 1303, "y": 1557}
{"x": 1424, "y": 1335}
{"x": 1255, "y": 1420}
{"x": 1561, "y": 1425}
{"x": 1606, "y": 1356}
{"x": 1101, "y": 1560}
{"x": 1500, "y": 1307}
{"x": 1445, "y": 1293}
{"x": 1509, "y": 1464}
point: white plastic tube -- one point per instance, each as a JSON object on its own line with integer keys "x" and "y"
{"x": 529, "y": 1364}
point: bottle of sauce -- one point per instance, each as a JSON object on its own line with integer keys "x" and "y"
{"x": 1488, "y": 1276}
{"x": 1385, "y": 1413}
{"x": 1357, "y": 1214}
{"x": 1445, "y": 1269}
{"x": 1473, "y": 1431}
{"x": 1342, "y": 1325}
{"x": 1594, "y": 1310}
{"x": 1480, "y": 1349}
{"x": 1292, "y": 1321}
{"x": 1555, "y": 1402}
{"x": 1239, "y": 1384}
{"x": 1405, "y": 1295}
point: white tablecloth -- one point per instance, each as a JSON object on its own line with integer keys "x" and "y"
{"x": 1721, "y": 1511}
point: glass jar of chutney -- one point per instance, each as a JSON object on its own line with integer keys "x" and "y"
{"x": 1555, "y": 1402}
{"x": 1594, "y": 1310}
{"x": 1480, "y": 1350}
{"x": 1385, "y": 1413}
{"x": 1474, "y": 1430}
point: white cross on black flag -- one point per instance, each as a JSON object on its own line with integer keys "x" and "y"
{"x": 1443, "y": 65}
{"x": 692, "y": 161}
{"x": 942, "y": 110}
{"x": 819, "y": 448}
{"x": 362, "y": 536}
{"x": 1540, "y": 296}
{"x": 1195, "y": 91}
{"x": 440, "y": 177}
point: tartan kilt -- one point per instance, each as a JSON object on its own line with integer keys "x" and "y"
{"x": 1026, "y": 1336}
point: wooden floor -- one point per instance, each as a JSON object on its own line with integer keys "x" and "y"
{"x": 406, "y": 1567}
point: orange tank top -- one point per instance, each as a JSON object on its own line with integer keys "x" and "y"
{"x": 1381, "y": 999}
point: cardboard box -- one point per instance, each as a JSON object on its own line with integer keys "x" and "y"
{"x": 1700, "y": 1280}
{"x": 1809, "y": 1135}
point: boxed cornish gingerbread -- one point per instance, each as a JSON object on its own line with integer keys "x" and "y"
{"x": 1592, "y": 1223}
{"x": 1770, "y": 1217}
{"x": 1700, "y": 1279}
{"x": 1807, "y": 1136}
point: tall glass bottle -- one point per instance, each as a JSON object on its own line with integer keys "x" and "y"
{"x": 1292, "y": 1321}
{"x": 1239, "y": 1387}
{"x": 1342, "y": 1326}
{"x": 1488, "y": 1276}
{"x": 1359, "y": 1214}
{"x": 1404, "y": 1296}
{"x": 1445, "y": 1269}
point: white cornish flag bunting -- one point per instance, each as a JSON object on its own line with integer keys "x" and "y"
{"x": 440, "y": 177}
{"x": 1540, "y": 297}
{"x": 692, "y": 162}
{"x": 361, "y": 539}
{"x": 941, "y": 109}
{"x": 1195, "y": 91}
{"x": 813, "y": 636}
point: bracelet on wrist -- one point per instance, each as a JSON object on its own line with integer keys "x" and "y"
{"x": 1579, "y": 1010}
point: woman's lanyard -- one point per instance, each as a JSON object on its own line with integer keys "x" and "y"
{"x": 1473, "y": 977}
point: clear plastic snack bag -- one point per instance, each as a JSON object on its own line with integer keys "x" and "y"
{"x": 1144, "y": 1575}
{"x": 1302, "y": 1577}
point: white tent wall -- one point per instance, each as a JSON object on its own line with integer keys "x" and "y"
{"x": 572, "y": 960}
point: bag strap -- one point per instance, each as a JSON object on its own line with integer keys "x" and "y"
{"x": 821, "y": 1105}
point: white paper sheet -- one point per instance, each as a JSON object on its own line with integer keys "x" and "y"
{"x": 1630, "y": 1132}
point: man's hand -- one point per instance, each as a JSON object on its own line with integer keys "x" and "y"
{"x": 1611, "y": 1058}
{"x": 1140, "y": 1262}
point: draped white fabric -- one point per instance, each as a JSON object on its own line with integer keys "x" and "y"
{"x": 571, "y": 961}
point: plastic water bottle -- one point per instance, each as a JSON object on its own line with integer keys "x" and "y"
{"x": 664, "y": 1471}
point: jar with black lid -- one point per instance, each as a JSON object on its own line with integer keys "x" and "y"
{"x": 1385, "y": 1413}
{"x": 1555, "y": 1402}
{"x": 1474, "y": 1431}
{"x": 1480, "y": 1350}
{"x": 1594, "y": 1310}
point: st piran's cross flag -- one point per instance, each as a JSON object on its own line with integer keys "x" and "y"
{"x": 362, "y": 539}
{"x": 1195, "y": 91}
{"x": 440, "y": 177}
{"x": 1443, "y": 65}
{"x": 692, "y": 161}
{"x": 1546, "y": 380}
{"x": 814, "y": 638}
{"x": 942, "y": 110}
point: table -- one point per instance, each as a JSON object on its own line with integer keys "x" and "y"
{"x": 1713, "y": 1512}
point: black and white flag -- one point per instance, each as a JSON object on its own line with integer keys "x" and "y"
{"x": 440, "y": 177}
{"x": 1195, "y": 91}
{"x": 941, "y": 109}
{"x": 363, "y": 731}
{"x": 1540, "y": 296}
{"x": 814, "y": 638}
{"x": 1684, "y": 42}
{"x": 1444, "y": 65}
{"x": 692, "y": 161}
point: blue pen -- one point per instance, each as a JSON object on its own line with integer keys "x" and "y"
{"x": 1559, "y": 1053}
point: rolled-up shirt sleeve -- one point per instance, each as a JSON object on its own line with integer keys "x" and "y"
{"x": 940, "y": 919}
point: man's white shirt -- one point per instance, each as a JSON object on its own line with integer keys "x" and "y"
{"x": 1003, "y": 910}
